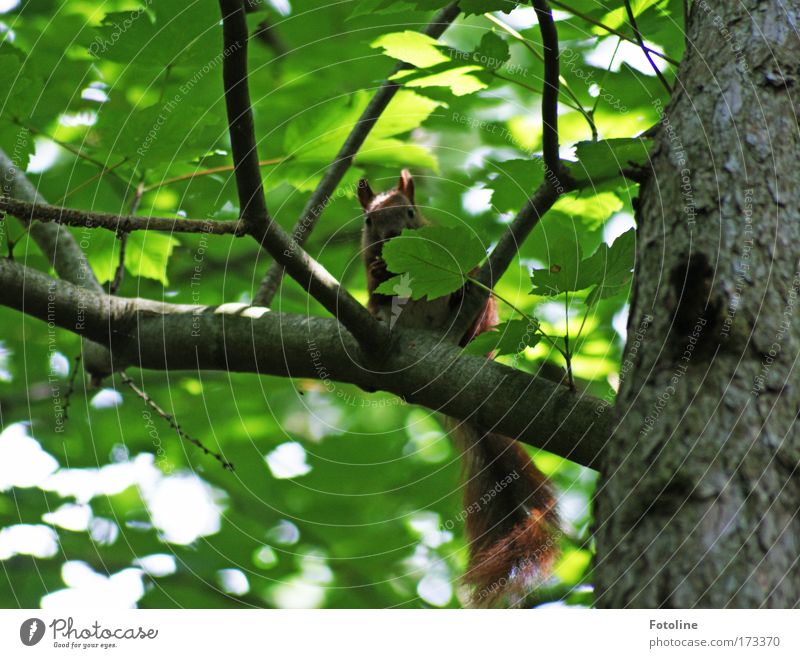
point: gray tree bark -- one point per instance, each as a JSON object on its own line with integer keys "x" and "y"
{"x": 699, "y": 501}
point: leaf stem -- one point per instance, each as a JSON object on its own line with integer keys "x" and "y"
{"x": 208, "y": 172}
{"x": 532, "y": 320}
{"x": 567, "y": 353}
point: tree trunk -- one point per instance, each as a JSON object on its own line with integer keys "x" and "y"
{"x": 699, "y": 501}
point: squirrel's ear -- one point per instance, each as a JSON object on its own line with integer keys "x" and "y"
{"x": 365, "y": 193}
{"x": 406, "y": 185}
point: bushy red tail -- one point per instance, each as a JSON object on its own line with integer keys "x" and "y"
{"x": 511, "y": 518}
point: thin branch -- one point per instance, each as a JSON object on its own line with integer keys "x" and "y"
{"x": 73, "y": 376}
{"x": 611, "y": 30}
{"x": 528, "y": 318}
{"x": 344, "y": 158}
{"x": 602, "y": 83}
{"x": 170, "y": 419}
{"x": 252, "y": 203}
{"x": 320, "y": 284}
{"x": 238, "y": 338}
{"x": 576, "y": 103}
{"x": 551, "y": 83}
{"x": 91, "y": 179}
{"x": 567, "y": 351}
{"x": 119, "y": 273}
{"x": 124, "y": 223}
{"x": 640, "y": 41}
{"x": 524, "y": 85}
{"x": 77, "y": 152}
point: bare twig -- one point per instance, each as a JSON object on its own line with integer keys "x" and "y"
{"x": 170, "y": 419}
{"x": 567, "y": 350}
{"x": 125, "y": 223}
{"x": 645, "y": 50}
{"x": 344, "y": 158}
{"x": 305, "y": 270}
{"x": 71, "y": 385}
{"x": 119, "y": 273}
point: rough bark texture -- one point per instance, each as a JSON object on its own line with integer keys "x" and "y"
{"x": 700, "y": 496}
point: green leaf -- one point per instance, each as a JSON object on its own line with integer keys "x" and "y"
{"x": 492, "y": 52}
{"x": 179, "y": 35}
{"x": 388, "y": 152}
{"x": 18, "y": 144}
{"x": 596, "y": 208}
{"x": 483, "y": 6}
{"x": 612, "y": 267}
{"x": 437, "y": 258}
{"x": 608, "y": 268}
{"x": 19, "y": 91}
{"x": 458, "y": 79}
{"x": 563, "y": 273}
{"x": 412, "y": 47}
{"x": 603, "y": 160}
{"x": 147, "y": 254}
{"x": 367, "y": 7}
{"x": 619, "y": 17}
{"x": 160, "y": 133}
{"x": 509, "y": 337}
{"x": 317, "y": 137}
{"x": 515, "y": 182}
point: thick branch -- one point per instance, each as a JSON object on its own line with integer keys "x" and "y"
{"x": 240, "y": 338}
{"x": 279, "y": 244}
{"x": 61, "y": 250}
{"x": 344, "y": 158}
{"x": 125, "y": 223}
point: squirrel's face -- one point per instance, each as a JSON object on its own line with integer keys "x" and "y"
{"x": 386, "y": 214}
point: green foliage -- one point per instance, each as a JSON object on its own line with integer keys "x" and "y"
{"x": 412, "y": 47}
{"x": 128, "y": 95}
{"x": 315, "y": 138}
{"x": 603, "y": 160}
{"x": 509, "y": 337}
{"x": 607, "y": 270}
{"x": 437, "y": 259}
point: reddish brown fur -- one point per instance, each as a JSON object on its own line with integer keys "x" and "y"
{"x": 511, "y": 519}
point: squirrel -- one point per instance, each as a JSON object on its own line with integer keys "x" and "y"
{"x": 511, "y": 521}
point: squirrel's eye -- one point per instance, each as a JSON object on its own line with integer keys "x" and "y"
{"x": 368, "y": 220}
{"x": 411, "y": 213}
